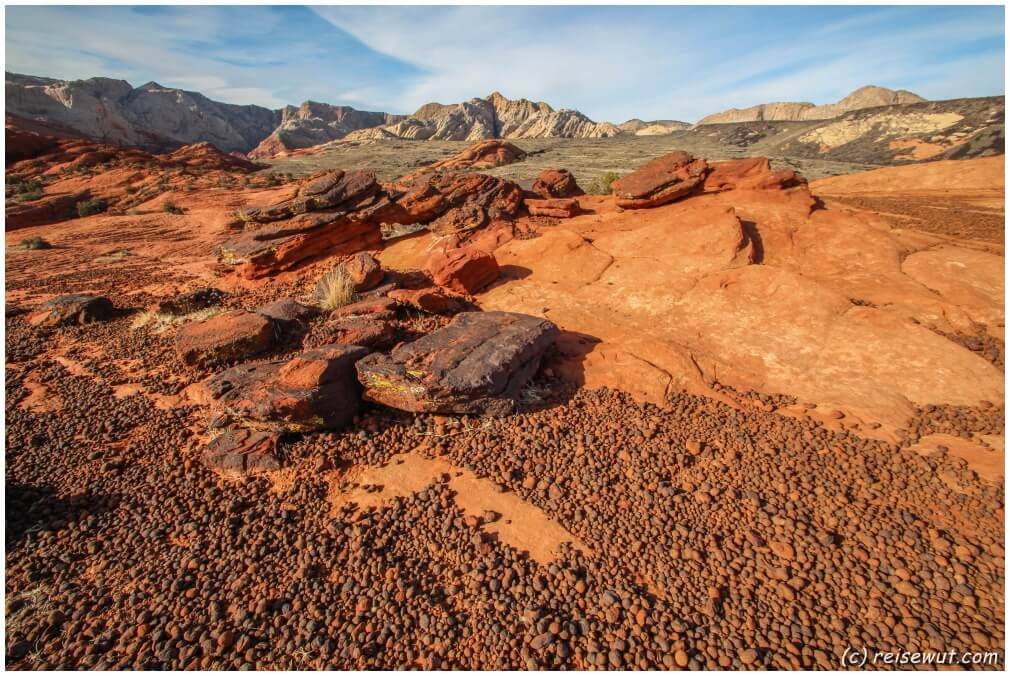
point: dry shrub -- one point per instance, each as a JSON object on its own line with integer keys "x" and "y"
{"x": 335, "y": 289}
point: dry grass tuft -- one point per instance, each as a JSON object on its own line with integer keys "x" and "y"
{"x": 397, "y": 230}
{"x": 160, "y": 322}
{"x": 335, "y": 289}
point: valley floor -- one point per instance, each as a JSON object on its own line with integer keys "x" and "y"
{"x": 587, "y": 158}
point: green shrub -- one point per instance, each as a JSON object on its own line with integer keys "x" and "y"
{"x": 90, "y": 207}
{"x": 25, "y": 189}
{"x": 169, "y": 207}
{"x": 601, "y": 184}
{"x": 35, "y": 243}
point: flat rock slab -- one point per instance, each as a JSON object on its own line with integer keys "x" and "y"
{"x": 477, "y": 364}
{"x": 556, "y": 207}
{"x": 435, "y": 301}
{"x": 73, "y": 309}
{"x": 242, "y": 452}
{"x": 660, "y": 181}
{"x": 316, "y": 390}
{"x": 367, "y": 331}
{"x": 224, "y": 337}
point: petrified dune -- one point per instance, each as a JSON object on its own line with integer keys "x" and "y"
{"x": 753, "y": 289}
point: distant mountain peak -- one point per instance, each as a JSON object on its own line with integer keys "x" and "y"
{"x": 867, "y": 96}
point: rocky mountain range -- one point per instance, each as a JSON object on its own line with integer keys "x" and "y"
{"x": 491, "y": 117}
{"x": 312, "y": 124}
{"x": 655, "y": 127}
{"x": 864, "y": 97}
{"x": 152, "y": 116}
{"x": 159, "y": 119}
{"x": 162, "y": 118}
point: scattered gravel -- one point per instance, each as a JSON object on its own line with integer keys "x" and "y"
{"x": 718, "y": 538}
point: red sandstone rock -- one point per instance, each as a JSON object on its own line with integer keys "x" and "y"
{"x": 660, "y": 181}
{"x": 476, "y": 364}
{"x": 224, "y": 337}
{"x": 364, "y": 270}
{"x": 555, "y": 207}
{"x": 73, "y": 309}
{"x": 370, "y": 331}
{"x": 455, "y": 203}
{"x": 752, "y": 173}
{"x": 243, "y": 452}
{"x": 286, "y": 311}
{"x": 465, "y": 270}
{"x": 318, "y": 389}
{"x": 556, "y": 183}
{"x": 335, "y": 213}
{"x": 206, "y": 156}
{"x": 435, "y": 301}
{"x": 484, "y": 155}
{"x": 48, "y": 209}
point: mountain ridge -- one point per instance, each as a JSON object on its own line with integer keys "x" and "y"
{"x": 869, "y": 96}
{"x": 162, "y": 118}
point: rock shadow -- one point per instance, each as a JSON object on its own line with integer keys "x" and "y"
{"x": 31, "y": 509}
{"x": 562, "y": 372}
{"x": 511, "y": 273}
{"x": 754, "y": 235}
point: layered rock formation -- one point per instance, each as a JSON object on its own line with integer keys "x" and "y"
{"x": 477, "y": 364}
{"x": 312, "y": 124}
{"x": 334, "y": 213}
{"x": 49, "y": 176}
{"x": 679, "y": 174}
{"x": 556, "y": 183}
{"x": 338, "y": 213}
{"x": 456, "y": 203}
{"x": 484, "y": 155}
{"x": 864, "y": 97}
{"x": 491, "y": 117}
{"x": 318, "y": 389}
{"x": 151, "y": 116}
{"x": 661, "y": 180}
{"x": 161, "y": 118}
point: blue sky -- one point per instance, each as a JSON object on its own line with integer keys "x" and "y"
{"x": 612, "y": 63}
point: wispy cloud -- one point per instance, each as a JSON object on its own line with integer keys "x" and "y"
{"x": 680, "y": 61}
{"x": 610, "y": 62}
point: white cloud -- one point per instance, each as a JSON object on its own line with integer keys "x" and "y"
{"x": 634, "y": 64}
{"x": 610, "y": 63}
